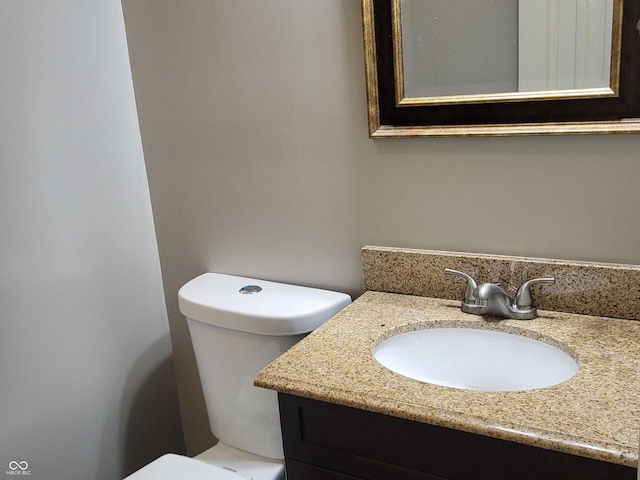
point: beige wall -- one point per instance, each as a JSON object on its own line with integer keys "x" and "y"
{"x": 254, "y": 126}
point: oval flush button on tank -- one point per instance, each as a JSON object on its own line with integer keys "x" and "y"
{"x": 250, "y": 289}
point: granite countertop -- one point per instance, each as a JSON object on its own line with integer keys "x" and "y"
{"x": 594, "y": 414}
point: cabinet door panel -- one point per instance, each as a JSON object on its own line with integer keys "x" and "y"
{"x": 303, "y": 471}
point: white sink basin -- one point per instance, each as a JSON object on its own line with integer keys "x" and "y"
{"x": 475, "y": 359}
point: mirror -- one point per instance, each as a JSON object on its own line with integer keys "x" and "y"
{"x": 502, "y": 67}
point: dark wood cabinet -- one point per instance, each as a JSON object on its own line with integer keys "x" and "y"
{"x": 323, "y": 441}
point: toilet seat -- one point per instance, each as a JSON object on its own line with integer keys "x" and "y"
{"x": 171, "y": 467}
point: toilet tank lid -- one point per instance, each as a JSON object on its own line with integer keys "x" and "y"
{"x": 265, "y": 307}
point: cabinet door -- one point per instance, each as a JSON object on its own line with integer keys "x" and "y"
{"x": 349, "y": 441}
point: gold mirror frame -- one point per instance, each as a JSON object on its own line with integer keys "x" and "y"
{"x": 584, "y": 111}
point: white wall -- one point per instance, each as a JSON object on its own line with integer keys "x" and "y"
{"x": 87, "y": 387}
{"x": 253, "y": 118}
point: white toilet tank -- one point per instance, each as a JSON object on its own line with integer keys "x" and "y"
{"x": 238, "y": 325}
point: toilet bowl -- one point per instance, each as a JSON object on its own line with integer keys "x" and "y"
{"x": 238, "y": 325}
{"x": 243, "y": 464}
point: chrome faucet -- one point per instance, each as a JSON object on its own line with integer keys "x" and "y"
{"x": 491, "y": 299}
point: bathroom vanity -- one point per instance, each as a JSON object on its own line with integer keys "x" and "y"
{"x": 324, "y": 441}
{"x": 345, "y": 416}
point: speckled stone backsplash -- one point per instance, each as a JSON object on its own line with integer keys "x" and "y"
{"x": 600, "y": 289}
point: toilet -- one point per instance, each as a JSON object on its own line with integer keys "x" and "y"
{"x": 238, "y": 325}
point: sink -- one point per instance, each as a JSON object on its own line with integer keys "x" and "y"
{"x": 475, "y": 359}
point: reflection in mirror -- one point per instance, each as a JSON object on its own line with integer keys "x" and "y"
{"x": 443, "y": 53}
{"x": 564, "y": 45}
{"x": 502, "y": 67}
{"x": 507, "y": 46}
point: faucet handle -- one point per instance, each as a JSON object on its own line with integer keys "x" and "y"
{"x": 523, "y": 299}
{"x": 469, "y": 297}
